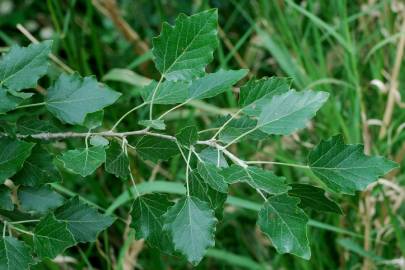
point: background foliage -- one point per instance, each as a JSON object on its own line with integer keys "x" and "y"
{"x": 353, "y": 50}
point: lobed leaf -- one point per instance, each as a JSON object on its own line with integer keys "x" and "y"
{"x": 38, "y": 169}
{"x": 255, "y": 94}
{"x": 83, "y": 221}
{"x": 290, "y": 111}
{"x": 237, "y": 127}
{"x": 83, "y": 161}
{"x": 191, "y": 224}
{"x": 13, "y": 153}
{"x": 94, "y": 120}
{"x": 155, "y": 149}
{"x": 182, "y": 51}
{"x": 344, "y": 167}
{"x": 117, "y": 162}
{"x": 168, "y": 92}
{"x": 72, "y": 98}
{"x": 147, "y": 220}
{"x": 314, "y": 198}
{"x": 210, "y": 155}
{"x": 256, "y": 178}
{"x": 29, "y": 126}
{"x": 39, "y": 199}
{"x": 211, "y": 174}
{"x": 213, "y": 84}
{"x": 8, "y": 102}
{"x": 51, "y": 237}
{"x": 14, "y": 254}
{"x": 201, "y": 190}
{"x": 21, "y": 67}
{"x": 187, "y": 136}
{"x": 286, "y": 225}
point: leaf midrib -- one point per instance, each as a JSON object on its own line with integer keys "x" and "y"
{"x": 183, "y": 52}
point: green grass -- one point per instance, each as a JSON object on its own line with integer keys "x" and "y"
{"x": 334, "y": 46}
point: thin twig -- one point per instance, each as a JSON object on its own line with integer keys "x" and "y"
{"x": 231, "y": 48}
{"x": 53, "y": 57}
{"x": 110, "y": 9}
{"x": 225, "y": 151}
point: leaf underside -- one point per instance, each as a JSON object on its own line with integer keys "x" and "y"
{"x": 191, "y": 224}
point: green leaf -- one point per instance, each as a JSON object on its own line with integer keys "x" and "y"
{"x": 98, "y": 140}
{"x": 72, "y": 97}
{"x": 255, "y": 94}
{"x": 13, "y": 153}
{"x": 5, "y": 199}
{"x": 8, "y": 102}
{"x": 344, "y": 167}
{"x": 84, "y": 161}
{"x": 286, "y": 225}
{"x": 21, "y": 67}
{"x": 187, "y": 136}
{"x": 94, "y": 120}
{"x": 210, "y": 155}
{"x": 154, "y": 148}
{"x": 168, "y": 92}
{"x": 191, "y": 224}
{"x": 23, "y": 95}
{"x": 128, "y": 76}
{"x": 155, "y": 124}
{"x": 147, "y": 220}
{"x": 51, "y": 237}
{"x": 38, "y": 169}
{"x": 314, "y": 198}
{"x": 29, "y": 126}
{"x": 256, "y": 178}
{"x": 213, "y": 84}
{"x": 290, "y": 111}
{"x": 83, "y": 221}
{"x": 39, "y": 199}
{"x": 211, "y": 175}
{"x": 182, "y": 51}
{"x": 117, "y": 161}
{"x": 14, "y": 254}
{"x": 237, "y": 127}
{"x": 200, "y": 189}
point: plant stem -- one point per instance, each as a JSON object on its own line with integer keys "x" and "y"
{"x": 241, "y": 136}
{"x": 125, "y": 148}
{"x": 182, "y": 154}
{"x": 172, "y": 109}
{"x": 226, "y": 123}
{"x": 261, "y": 194}
{"x": 66, "y": 135}
{"x": 187, "y": 173}
{"x": 4, "y": 228}
{"x": 153, "y": 98}
{"x": 30, "y": 105}
{"x": 231, "y": 156}
{"x": 24, "y": 221}
{"x": 53, "y": 57}
{"x": 126, "y": 114}
{"x": 133, "y": 181}
{"x": 20, "y": 230}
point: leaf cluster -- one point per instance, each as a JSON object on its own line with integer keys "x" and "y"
{"x": 186, "y": 225}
